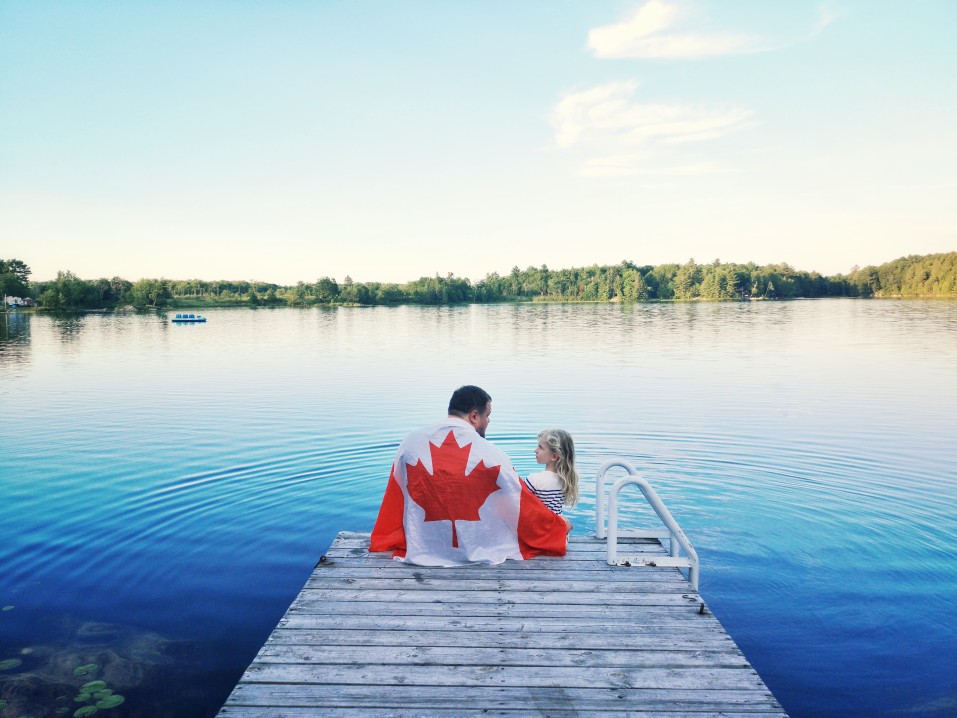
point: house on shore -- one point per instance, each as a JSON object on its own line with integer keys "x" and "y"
{"x": 17, "y": 302}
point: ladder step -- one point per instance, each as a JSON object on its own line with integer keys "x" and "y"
{"x": 645, "y": 533}
{"x": 664, "y": 561}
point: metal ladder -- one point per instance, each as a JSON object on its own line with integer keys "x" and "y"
{"x": 671, "y": 531}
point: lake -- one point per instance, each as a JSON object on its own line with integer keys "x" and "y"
{"x": 167, "y": 489}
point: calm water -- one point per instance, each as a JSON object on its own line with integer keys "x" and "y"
{"x": 166, "y": 490}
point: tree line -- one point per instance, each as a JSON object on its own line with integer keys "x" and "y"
{"x": 933, "y": 275}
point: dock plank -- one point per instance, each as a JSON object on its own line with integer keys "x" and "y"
{"x": 554, "y": 636}
{"x": 428, "y": 655}
{"x": 659, "y": 641}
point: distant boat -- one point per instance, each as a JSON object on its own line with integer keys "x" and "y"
{"x": 188, "y": 318}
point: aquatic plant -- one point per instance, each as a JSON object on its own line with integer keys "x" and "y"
{"x": 110, "y": 701}
{"x": 97, "y": 695}
{"x": 9, "y": 663}
{"x": 111, "y": 659}
{"x": 7, "y": 608}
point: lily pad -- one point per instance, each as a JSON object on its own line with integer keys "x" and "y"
{"x": 110, "y": 701}
{"x": 9, "y": 663}
{"x": 83, "y": 698}
{"x": 101, "y": 694}
{"x": 85, "y": 711}
{"x": 7, "y": 608}
{"x": 92, "y": 686}
{"x": 3, "y": 704}
{"x": 85, "y": 669}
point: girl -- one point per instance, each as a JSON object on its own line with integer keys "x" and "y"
{"x": 557, "y": 485}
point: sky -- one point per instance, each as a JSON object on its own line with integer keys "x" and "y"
{"x": 290, "y": 140}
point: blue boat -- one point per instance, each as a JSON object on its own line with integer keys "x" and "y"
{"x": 188, "y": 318}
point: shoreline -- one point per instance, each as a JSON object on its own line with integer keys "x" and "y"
{"x": 176, "y": 307}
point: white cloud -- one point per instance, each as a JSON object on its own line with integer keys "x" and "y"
{"x": 656, "y": 30}
{"x": 825, "y": 16}
{"x": 617, "y": 135}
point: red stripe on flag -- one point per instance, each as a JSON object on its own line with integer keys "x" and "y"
{"x": 540, "y": 532}
{"x": 388, "y": 533}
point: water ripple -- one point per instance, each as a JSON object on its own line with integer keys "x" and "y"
{"x": 187, "y": 481}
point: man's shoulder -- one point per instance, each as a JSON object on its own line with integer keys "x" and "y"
{"x": 464, "y": 434}
{"x": 437, "y": 432}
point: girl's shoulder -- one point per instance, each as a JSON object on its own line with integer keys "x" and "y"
{"x": 545, "y": 480}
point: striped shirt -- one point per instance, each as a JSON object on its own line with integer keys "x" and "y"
{"x": 547, "y": 486}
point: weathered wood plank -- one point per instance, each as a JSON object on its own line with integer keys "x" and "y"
{"x": 500, "y": 656}
{"x": 577, "y": 562}
{"x": 606, "y": 627}
{"x": 560, "y": 617}
{"x": 578, "y": 552}
{"x": 669, "y": 640}
{"x": 619, "y": 598}
{"x": 422, "y": 582}
{"x": 565, "y": 612}
{"x": 676, "y": 625}
{"x": 493, "y": 697}
{"x": 364, "y": 568}
{"x": 369, "y": 636}
{"x": 532, "y": 676}
{"x": 459, "y": 712}
{"x": 361, "y": 539}
{"x": 576, "y": 544}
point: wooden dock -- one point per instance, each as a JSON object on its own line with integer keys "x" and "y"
{"x": 369, "y": 637}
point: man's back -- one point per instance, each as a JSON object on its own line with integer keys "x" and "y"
{"x": 454, "y": 498}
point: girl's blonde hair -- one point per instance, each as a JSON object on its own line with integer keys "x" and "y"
{"x": 561, "y": 443}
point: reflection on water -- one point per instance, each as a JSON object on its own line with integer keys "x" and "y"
{"x": 180, "y": 482}
{"x": 14, "y": 338}
{"x": 69, "y": 326}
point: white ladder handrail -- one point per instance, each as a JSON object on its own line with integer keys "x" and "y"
{"x": 677, "y": 536}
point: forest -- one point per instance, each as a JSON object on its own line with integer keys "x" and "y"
{"x": 933, "y": 275}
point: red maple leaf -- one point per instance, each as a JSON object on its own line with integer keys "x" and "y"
{"x": 448, "y": 493}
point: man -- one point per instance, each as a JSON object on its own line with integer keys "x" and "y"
{"x": 454, "y": 498}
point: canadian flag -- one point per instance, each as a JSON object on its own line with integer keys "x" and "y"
{"x": 453, "y": 498}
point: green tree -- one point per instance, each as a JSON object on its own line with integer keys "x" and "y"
{"x": 685, "y": 284}
{"x": 17, "y": 268}
{"x": 347, "y": 291}
{"x": 297, "y": 296}
{"x": 68, "y": 292}
{"x": 710, "y": 287}
{"x": 14, "y": 278}
{"x": 389, "y": 294}
{"x": 633, "y": 286}
{"x": 731, "y": 282}
{"x": 150, "y": 293}
{"x": 327, "y": 290}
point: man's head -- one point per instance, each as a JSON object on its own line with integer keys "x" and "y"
{"x": 472, "y": 404}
